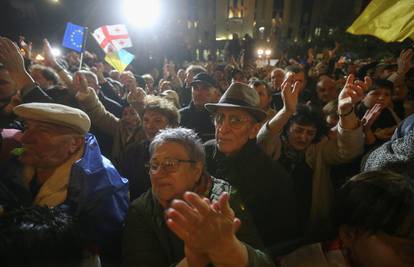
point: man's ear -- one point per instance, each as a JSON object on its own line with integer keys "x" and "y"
{"x": 76, "y": 143}
{"x": 347, "y": 235}
{"x": 254, "y": 130}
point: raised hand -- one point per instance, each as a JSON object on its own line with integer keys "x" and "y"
{"x": 50, "y": 59}
{"x": 26, "y": 47}
{"x": 371, "y": 116}
{"x": 352, "y": 93}
{"x": 405, "y": 61}
{"x": 80, "y": 84}
{"x": 12, "y": 59}
{"x": 290, "y": 93}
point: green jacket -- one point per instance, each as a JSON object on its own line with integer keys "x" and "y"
{"x": 147, "y": 241}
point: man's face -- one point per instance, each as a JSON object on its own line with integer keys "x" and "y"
{"x": 7, "y": 85}
{"x": 326, "y": 90}
{"x": 379, "y": 96}
{"x": 40, "y": 79}
{"x": 265, "y": 98}
{"x": 234, "y": 127}
{"x": 301, "y": 136}
{"x": 47, "y": 145}
{"x": 152, "y": 122}
{"x": 277, "y": 77}
{"x": 130, "y": 118}
{"x": 202, "y": 94}
{"x": 128, "y": 79}
{"x": 380, "y": 250}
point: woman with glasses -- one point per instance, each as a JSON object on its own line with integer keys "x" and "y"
{"x": 177, "y": 165}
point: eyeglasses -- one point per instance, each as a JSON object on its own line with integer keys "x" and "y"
{"x": 168, "y": 165}
{"x": 234, "y": 121}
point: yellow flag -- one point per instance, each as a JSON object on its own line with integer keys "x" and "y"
{"x": 389, "y": 20}
{"x": 119, "y": 59}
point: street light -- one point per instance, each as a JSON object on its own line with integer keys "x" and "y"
{"x": 260, "y": 52}
{"x": 141, "y": 13}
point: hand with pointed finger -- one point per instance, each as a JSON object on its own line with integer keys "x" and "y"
{"x": 352, "y": 93}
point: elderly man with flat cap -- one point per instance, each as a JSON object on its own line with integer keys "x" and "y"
{"x": 234, "y": 156}
{"x": 60, "y": 164}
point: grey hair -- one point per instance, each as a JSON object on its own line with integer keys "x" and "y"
{"x": 195, "y": 69}
{"x": 184, "y": 137}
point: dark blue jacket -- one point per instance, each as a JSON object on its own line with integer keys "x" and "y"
{"x": 98, "y": 195}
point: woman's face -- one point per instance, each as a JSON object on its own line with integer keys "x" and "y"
{"x": 380, "y": 250}
{"x": 300, "y": 137}
{"x": 130, "y": 118}
{"x": 153, "y": 121}
{"x": 172, "y": 172}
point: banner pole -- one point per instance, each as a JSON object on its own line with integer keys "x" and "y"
{"x": 85, "y": 36}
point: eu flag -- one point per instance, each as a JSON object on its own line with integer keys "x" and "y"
{"x": 73, "y": 38}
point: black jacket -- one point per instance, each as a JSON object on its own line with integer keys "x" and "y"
{"x": 264, "y": 186}
{"x": 199, "y": 120}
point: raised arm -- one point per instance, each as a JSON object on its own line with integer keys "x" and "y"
{"x": 268, "y": 137}
{"x": 89, "y": 102}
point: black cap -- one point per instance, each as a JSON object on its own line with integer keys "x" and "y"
{"x": 203, "y": 77}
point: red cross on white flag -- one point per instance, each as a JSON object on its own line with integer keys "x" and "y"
{"x": 112, "y": 37}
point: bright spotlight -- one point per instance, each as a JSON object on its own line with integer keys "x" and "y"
{"x": 56, "y": 52}
{"x": 268, "y": 52}
{"x": 141, "y": 13}
{"x": 260, "y": 52}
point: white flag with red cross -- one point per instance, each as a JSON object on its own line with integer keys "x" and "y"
{"x": 112, "y": 37}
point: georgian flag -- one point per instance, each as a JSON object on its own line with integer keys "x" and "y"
{"x": 112, "y": 37}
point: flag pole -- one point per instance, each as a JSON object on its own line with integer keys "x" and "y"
{"x": 85, "y": 36}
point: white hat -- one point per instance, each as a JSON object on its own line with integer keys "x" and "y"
{"x": 58, "y": 114}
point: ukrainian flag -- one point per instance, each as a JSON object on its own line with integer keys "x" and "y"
{"x": 119, "y": 59}
{"x": 389, "y": 20}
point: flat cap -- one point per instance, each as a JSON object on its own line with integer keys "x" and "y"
{"x": 58, "y": 114}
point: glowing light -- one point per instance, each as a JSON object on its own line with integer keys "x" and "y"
{"x": 268, "y": 52}
{"x": 141, "y": 13}
{"x": 39, "y": 57}
{"x": 260, "y": 52}
{"x": 56, "y": 51}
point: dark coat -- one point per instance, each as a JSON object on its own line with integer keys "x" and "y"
{"x": 148, "y": 242}
{"x": 199, "y": 120}
{"x": 134, "y": 168}
{"x": 265, "y": 187}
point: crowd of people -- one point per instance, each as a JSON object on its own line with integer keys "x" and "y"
{"x": 305, "y": 163}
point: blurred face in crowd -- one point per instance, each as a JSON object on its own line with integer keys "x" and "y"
{"x": 378, "y": 96}
{"x": 326, "y": 90}
{"x": 181, "y": 74}
{"x": 128, "y": 79}
{"x": 47, "y": 145}
{"x": 172, "y": 172}
{"x": 203, "y": 93}
{"x": 130, "y": 118}
{"x": 189, "y": 75}
{"x": 153, "y": 121}
{"x": 114, "y": 74}
{"x": 40, "y": 79}
{"x": 301, "y": 136}
{"x": 239, "y": 77}
{"x": 165, "y": 85}
{"x": 265, "y": 98}
{"x": 234, "y": 128}
{"x": 7, "y": 85}
{"x": 379, "y": 250}
{"x": 277, "y": 77}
